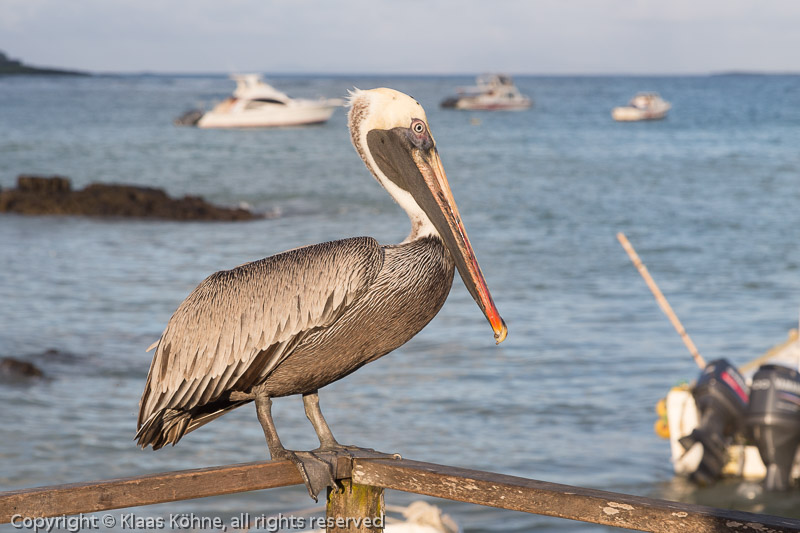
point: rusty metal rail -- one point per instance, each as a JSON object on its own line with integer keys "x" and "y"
{"x": 472, "y": 486}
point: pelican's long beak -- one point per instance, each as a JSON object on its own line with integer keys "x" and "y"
{"x": 440, "y": 206}
{"x": 391, "y": 135}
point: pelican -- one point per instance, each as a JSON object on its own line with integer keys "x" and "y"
{"x": 299, "y": 320}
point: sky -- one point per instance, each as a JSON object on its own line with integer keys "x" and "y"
{"x": 405, "y": 36}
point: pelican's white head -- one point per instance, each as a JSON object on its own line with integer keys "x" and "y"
{"x": 383, "y": 110}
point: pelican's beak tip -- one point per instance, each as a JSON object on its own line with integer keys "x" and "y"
{"x": 501, "y": 333}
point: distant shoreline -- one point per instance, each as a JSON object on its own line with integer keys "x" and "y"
{"x": 11, "y": 67}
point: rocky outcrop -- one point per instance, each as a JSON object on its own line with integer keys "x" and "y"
{"x": 53, "y": 195}
{"x": 12, "y": 368}
{"x": 30, "y": 367}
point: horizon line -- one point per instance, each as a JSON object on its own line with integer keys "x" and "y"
{"x": 267, "y": 73}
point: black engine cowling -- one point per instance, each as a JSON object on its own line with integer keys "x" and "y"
{"x": 774, "y": 421}
{"x": 721, "y": 395}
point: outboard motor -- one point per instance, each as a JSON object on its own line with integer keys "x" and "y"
{"x": 774, "y": 420}
{"x": 721, "y": 396}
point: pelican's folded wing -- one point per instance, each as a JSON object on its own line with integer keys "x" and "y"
{"x": 238, "y": 324}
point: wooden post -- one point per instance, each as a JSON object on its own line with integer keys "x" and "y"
{"x": 355, "y": 509}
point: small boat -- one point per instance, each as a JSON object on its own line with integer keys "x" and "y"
{"x": 732, "y": 421}
{"x": 492, "y": 92}
{"x": 741, "y": 422}
{"x": 643, "y": 106}
{"x": 256, "y": 104}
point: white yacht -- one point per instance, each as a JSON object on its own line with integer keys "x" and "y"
{"x": 643, "y": 106}
{"x": 491, "y": 92}
{"x": 256, "y": 104}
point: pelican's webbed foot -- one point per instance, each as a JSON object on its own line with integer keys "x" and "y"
{"x": 316, "y": 470}
{"x": 318, "y": 466}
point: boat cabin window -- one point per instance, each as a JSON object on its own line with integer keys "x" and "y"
{"x": 268, "y": 101}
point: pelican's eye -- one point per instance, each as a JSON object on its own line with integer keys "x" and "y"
{"x": 419, "y": 135}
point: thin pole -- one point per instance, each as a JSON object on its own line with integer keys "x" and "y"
{"x": 662, "y": 301}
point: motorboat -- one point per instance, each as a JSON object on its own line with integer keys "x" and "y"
{"x": 256, "y": 104}
{"x": 738, "y": 422}
{"x": 643, "y": 106}
{"x": 492, "y": 92}
{"x": 732, "y": 421}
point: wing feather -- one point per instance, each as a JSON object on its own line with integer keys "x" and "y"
{"x": 238, "y": 324}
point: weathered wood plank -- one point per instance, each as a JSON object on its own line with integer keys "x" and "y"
{"x": 563, "y": 501}
{"x": 146, "y": 490}
{"x": 355, "y": 509}
{"x": 484, "y": 488}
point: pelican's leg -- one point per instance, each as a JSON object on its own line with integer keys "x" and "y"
{"x": 264, "y": 412}
{"x": 314, "y": 414}
{"x": 327, "y": 442}
{"x": 317, "y": 473}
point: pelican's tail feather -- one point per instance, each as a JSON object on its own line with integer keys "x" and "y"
{"x": 169, "y": 425}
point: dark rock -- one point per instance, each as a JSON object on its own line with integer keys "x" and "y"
{"x": 14, "y": 368}
{"x": 43, "y": 184}
{"x": 53, "y": 195}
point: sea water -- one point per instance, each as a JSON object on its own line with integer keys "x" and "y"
{"x": 709, "y": 197}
